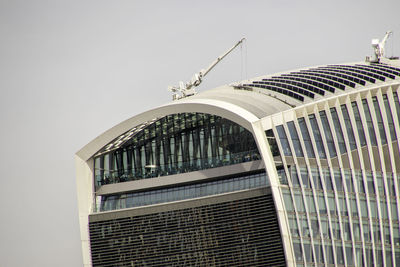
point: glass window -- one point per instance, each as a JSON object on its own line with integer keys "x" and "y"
{"x": 308, "y": 251}
{"x": 272, "y": 143}
{"x": 339, "y": 254}
{"x": 299, "y": 202}
{"x": 349, "y": 127}
{"x": 328, "y": 134}
{"x": 370, "y": 124}
{"x": 338, "y": 181}
{"x": 359, "y": 124}
{"x": 338, "y": 130}
{"x": 397, "y": 104}
{"x": 379, "y": 119}
{"x": 370, "y": 183}
{"x": 321, "y": 205}
{"x": 177, "y": 143}
{"x": 288, "y": 200}
{"x": 359, "y": 182}
{"x": 389, "y": 117}
{"x": 284, "y": 141}
{"x": 328, "y": 180}
{"x": 295, "y": 139}
{"x": 329, "y": 253}
{"x": 294, "y": 176}
{"x": 316, "y": 179}
{"x": 298, "y": 251}
{"x": 349, "y": 181}
{"x": 306, "y": 138}
{"x": 305, "y": 178}
{"x": 317, "y": 136}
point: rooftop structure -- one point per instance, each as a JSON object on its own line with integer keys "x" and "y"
{"x": 292, "y": 169}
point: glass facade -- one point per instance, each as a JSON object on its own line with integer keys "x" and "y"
{"x": 130, "y": 200}
{"x": 174, "y": 144}
{"x": 343, "y": 216}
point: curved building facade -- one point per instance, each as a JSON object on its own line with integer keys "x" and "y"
{"x": 300, "y": 168}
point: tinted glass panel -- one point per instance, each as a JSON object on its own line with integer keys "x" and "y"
{"x": 370, "y": 124}
{"x": 317, "y": 136}
{"x": 174, "y": 144}
{"x": 349, "y": 127}
{"x": 360, "y": 128}
{"x": 378, "y": 114}
{"x": 306, "y": 137}
{"x": 129, "y": 200}
{"x": 284, "y": 141}
{"x": 338, "y": 130}
{"x": 328, "y": 134}
{"x": 389, "y": 117}
{"x": 295, "y": 139}
{"x": 397, "y": 104}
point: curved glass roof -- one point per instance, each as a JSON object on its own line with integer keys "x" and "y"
{"x": 174, "y": 144}
{"x": 309, "y": 83}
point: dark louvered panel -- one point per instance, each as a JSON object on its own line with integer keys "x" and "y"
{"x": 344, "y": 79}
{"x": 376, "y": 70}
{"x": 242, "y": 232}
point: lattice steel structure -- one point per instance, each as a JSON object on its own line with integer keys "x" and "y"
{"x": 300, "y": 168}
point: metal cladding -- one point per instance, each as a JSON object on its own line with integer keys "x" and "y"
{"x": 300, "y": 168}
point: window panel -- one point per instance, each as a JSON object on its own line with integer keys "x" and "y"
{"x": 317, "y": 136}
{"x": 379, "y": 119}
{"x": 349, "y": 127}
{"x": 295, "y": 139}
{"x": 370, "y": 124}
{"x": 284, "y": 141}
{"x": 328, "y": 134}
{"x": 338, "y": 130}
{"x": 360, "y": 128}
{"x": 397, "y": 104}
{"x": 306, "y": 138}
{"x": 389, "y": 117}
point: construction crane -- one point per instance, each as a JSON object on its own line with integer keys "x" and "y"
{"x": 379, "y": 47}
{"x": 188, "y": 89}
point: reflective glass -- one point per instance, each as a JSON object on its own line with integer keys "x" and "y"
{"x": 306, "y": 138}
{"x": 379, "y": 119}
{"x": 272, "y": 143}
{"x": 295, "y": 139}
{"x": 328, "y": 134}
{"x": 284, "y": 141}
{"x": 370, "y": 124}
{"x": 305, "y": 178}
{"x": 359, "y": 124}
{"x": 294, "y": 176}
{"x": 130, "y": 200}
{"x": 317, "y": 136}
{"x": 349, "y": 127}
{"x": 174, "y": 144}
{"x": 397, "y": 104}
{"x": 389, "y": 117}
{"x": 338, "y": 130}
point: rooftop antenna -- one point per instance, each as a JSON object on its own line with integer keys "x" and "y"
{"x": 188, "y": 89}
{"x": 379, "y": 47}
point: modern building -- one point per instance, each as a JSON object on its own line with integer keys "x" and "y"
{"x": 300, "y": 168}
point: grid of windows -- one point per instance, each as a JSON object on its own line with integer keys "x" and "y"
{"x": 340, "y": 216}
{"x": 177, "y": 143}
{"x": 130, "y": 200}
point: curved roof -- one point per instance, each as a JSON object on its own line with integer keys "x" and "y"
{"x": 260, "y": 97}
{"x": 305, "y": 85}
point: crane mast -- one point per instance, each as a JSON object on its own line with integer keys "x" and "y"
{"x": 188, "y": 89}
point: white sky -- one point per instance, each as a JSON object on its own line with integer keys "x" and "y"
{"x": 69, "y": 70}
